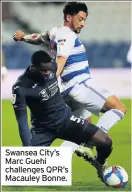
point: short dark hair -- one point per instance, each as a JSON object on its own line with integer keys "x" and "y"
{"x": 73, "y": 8}
{"x": 39, "y": 57}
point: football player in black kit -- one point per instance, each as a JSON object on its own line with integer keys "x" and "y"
{"x": 51, "y": 118}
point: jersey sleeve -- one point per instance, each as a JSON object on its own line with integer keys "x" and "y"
{"x": 18, "y": 98}
{"x": 52, "y": 33}
{"x": 65, "y": 43}
{"x": 49, "y": 35}
{"x": 19, "y": 105}
{"x": 45, "y": 37}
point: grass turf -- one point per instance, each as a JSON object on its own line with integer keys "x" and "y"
{"x": 84, "y": 177}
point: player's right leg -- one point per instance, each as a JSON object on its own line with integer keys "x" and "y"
{"x": 80, "y": 131}
{"x": 84, "y": 150}
{"x": 104, "y": 149}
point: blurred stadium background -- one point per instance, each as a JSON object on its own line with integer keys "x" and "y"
{"x": 107, "y": 38}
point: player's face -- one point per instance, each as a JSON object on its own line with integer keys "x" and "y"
{"x": 45, "y": 73}
{"x": 44, "y": 69}
{"x": 78, "y": 21}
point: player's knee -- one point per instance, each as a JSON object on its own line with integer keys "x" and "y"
{"x": 90, "y": 119}
{"x": 101, "y": 139}
{"x": 114, "y": 103}
{"x": 108, "y": 142}
{"x": 124, "y": 109}
{"x": 105, "y": 142}
{"x": 107, "y": 145}
{"x": 121, "y": 108}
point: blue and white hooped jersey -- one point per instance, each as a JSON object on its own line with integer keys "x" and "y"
{"x": 64, "y": 42}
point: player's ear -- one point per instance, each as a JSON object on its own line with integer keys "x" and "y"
{"x": 68, "y": 18}
{"x": 32, "y": 67}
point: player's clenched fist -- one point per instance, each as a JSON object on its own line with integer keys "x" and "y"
{"x": 18, "y": 35}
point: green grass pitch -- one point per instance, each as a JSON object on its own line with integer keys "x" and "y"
{"x": 84, "y": 177}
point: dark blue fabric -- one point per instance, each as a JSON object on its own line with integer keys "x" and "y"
{"x": 42, "y": 97}
{"x": 24, "y": 131}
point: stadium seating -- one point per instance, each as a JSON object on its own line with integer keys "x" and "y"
{"x": 99, "y": 55}
{"x": 106, "y": 35}
{"x": 106, "y": 20}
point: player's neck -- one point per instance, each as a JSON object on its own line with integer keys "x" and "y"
{"x": 66, "y": 24}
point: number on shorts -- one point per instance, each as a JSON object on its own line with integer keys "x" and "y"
{"x": 77, "y": 119}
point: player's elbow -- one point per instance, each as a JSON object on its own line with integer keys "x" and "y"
{"x": 105, "y": 142}
{"x": 37, "y": 42}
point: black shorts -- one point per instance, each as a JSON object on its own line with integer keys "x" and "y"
{"x": 74, "y": 129}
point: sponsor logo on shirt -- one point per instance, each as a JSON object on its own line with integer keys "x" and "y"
{"x": 34, "y": 85}
{"x": 51, "y": 75}
{"x": 61, "y": 40}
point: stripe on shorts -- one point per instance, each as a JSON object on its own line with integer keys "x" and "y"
{"x": 95, "y": 91}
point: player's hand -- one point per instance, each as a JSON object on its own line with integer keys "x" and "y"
{"x": 18, "y": 35}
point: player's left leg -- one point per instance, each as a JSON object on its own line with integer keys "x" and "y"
{"x": 80, "y": 131}
{"x": 114, "y": 111}
{"x": 104, "y": 148}
{"x": 112, "y": 108}
{"x": 98, "y": 100}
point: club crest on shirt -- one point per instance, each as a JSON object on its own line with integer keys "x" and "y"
{"x": 13, "y": 100}
{"x": 44, "y": 94}
{"x": 51, "y": 75}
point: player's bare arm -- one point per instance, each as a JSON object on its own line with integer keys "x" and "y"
{"x": 61, "y": 61}
{"x": 64, "y": 48}
{"x": 34, "y": 38}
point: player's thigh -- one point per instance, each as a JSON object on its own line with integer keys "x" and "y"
{"x": 42, "y": 138}
{"x": 91, "y": 97}
{"x": 75, "y": 130}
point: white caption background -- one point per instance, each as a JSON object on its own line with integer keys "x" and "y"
{"x": 38, "y": 166}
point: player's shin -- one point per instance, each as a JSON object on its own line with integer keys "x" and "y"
{"x": 104, "y": 149}
{"x": 103, "y": 145}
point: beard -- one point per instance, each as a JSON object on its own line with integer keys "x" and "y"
{"x": 77, "y": 31}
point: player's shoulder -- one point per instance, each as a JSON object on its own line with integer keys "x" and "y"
{"x": 21, "y": 82}
{"x": 66, "y": 31}
{"x": 61, "y": 31}
{"x": 17, "y": 86}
